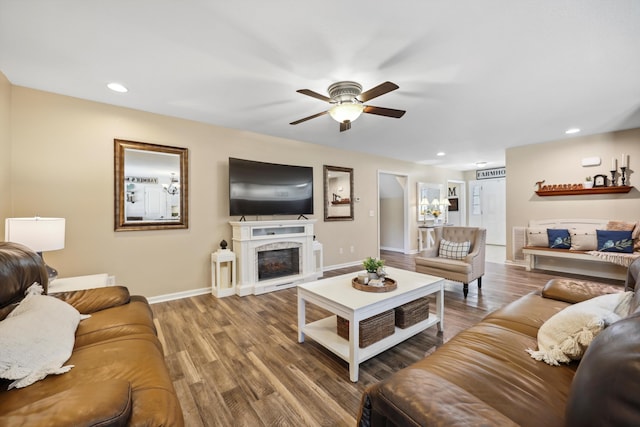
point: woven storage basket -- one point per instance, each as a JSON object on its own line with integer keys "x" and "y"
{"x": 412, "y": 312}
{"x": 372, "y": 329}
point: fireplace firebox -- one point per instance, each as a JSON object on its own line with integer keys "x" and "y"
{"x": 276, "y": 263}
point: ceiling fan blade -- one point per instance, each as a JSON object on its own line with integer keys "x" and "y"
{"x": 346, "y": 125}
{"x": 381, "y": 89}
{"x": 387, "y": 112}
{"x": 309, "y": 118}
{"x": 313, "y": 94}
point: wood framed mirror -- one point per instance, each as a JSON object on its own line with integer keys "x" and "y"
{"x": 427, "y": 193}
{"x": 338, "y": 193}
{"x": 151, "y": 186}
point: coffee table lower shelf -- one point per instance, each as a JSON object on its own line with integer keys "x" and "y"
{"x": 324, "y": 332}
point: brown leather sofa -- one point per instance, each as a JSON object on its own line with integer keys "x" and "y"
{"x": 119, "y": 375}
{"x": 484, "y": 376}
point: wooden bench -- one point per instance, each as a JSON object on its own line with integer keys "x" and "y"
{"x": 594, "y": 267}
{"x": 567, "y": 260}
{"x": 531, "y": 252}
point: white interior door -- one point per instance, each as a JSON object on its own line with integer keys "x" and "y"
{"x": 487, "y": 208}
{"x": 155, "y": 203}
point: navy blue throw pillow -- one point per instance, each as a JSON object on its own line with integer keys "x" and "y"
{"x": 559, "y": 238}
{"x": 614, "y": 241}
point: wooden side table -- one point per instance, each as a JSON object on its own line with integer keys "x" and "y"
{"x": 429, "y": 237}
{"x": 223, "y": 260}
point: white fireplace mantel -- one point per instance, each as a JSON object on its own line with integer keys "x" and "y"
{"x": 250, "y": 237}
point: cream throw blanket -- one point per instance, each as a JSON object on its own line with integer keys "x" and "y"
{"x": 624, "y": 260}
{"x": 37, "y": 338}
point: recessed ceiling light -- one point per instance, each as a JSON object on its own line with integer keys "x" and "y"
{"x": 117, "y": 87}
{"x": 440, "y": 153}
{"x": 481, "y": 164}
{"x": 572, "y": 130}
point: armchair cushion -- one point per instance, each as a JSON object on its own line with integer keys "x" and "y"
{"x": 454, "y": 250}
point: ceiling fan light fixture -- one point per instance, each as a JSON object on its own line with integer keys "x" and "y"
{"x": 346, "y": 111}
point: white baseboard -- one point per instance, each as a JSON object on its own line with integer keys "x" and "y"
{"x": 207, "y": 290}
{"x": 345, "y": 265}
{"x": 179, "y": 295}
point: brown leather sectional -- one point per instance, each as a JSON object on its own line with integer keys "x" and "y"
{"x": 484, "y": 376}
{"x": 119, "y": 375}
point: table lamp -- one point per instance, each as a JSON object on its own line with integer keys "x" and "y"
{"x": 38, "y": 234}
{"x": 446, "y": 203}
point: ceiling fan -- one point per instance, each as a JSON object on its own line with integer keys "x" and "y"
{"x": 347, "y": 100}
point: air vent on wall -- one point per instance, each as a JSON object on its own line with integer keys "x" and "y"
{"x": 518, "y": 239}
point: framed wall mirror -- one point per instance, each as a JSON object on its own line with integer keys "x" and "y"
{"x": 427, "y": 193}
{"x": 151, "y": 186}
{"x": 338, "y": 193}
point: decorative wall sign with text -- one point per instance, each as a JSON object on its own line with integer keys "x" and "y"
{"x": 141, "y": 179}
{"x": 491, "y": 173}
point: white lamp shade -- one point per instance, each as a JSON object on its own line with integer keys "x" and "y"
{"x": 39, "y": 234}
{"x": 445, "y": 202}
{"x": 347, "y": 111}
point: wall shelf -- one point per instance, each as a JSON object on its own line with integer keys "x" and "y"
{"x": 595, "y": 190}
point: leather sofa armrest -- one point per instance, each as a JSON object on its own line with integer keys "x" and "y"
{"x": 415, "y": 397}
{"x": 106, "y": 403}
{"x": 88, "y": 301}
{"x": 574, "y": 291}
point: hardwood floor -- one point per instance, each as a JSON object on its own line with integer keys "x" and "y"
{"x": 236, "y": 361}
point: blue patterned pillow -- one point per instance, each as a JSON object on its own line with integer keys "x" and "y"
{"x": 559, "y": 238}
{"x": 615, "y": 241}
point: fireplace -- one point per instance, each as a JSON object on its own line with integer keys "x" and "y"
{"x": 273, "y": 255}
{"x": 276, "y": 263}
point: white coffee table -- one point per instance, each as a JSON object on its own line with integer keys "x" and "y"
{"x": 336, "y": 295}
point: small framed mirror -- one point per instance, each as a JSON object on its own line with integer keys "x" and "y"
{"x": 429, "y": 199}
{"x": 151, "y": 186}
{"x": 338, "y": 193}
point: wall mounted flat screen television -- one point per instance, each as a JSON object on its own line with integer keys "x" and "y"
{"x": 259, "y": 188}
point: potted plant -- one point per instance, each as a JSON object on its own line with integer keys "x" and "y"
{"x": 588, "y": 182}
{"x": 373, "y": 266}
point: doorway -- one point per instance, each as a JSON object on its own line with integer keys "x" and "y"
{"x": 393, "y": 196}
{"x": 487, "y": 208}
{"x": 457, "y": 195}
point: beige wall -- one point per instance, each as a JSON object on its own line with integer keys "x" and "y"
{"x": 559, "y": 162}
{"x": 5, "y": 151}
{"x": 63, "y": 166}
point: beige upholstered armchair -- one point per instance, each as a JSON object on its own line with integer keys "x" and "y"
{"x": 449, "y": 260}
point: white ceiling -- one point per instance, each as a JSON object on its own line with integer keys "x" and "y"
{"x": 475, "y": 76}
